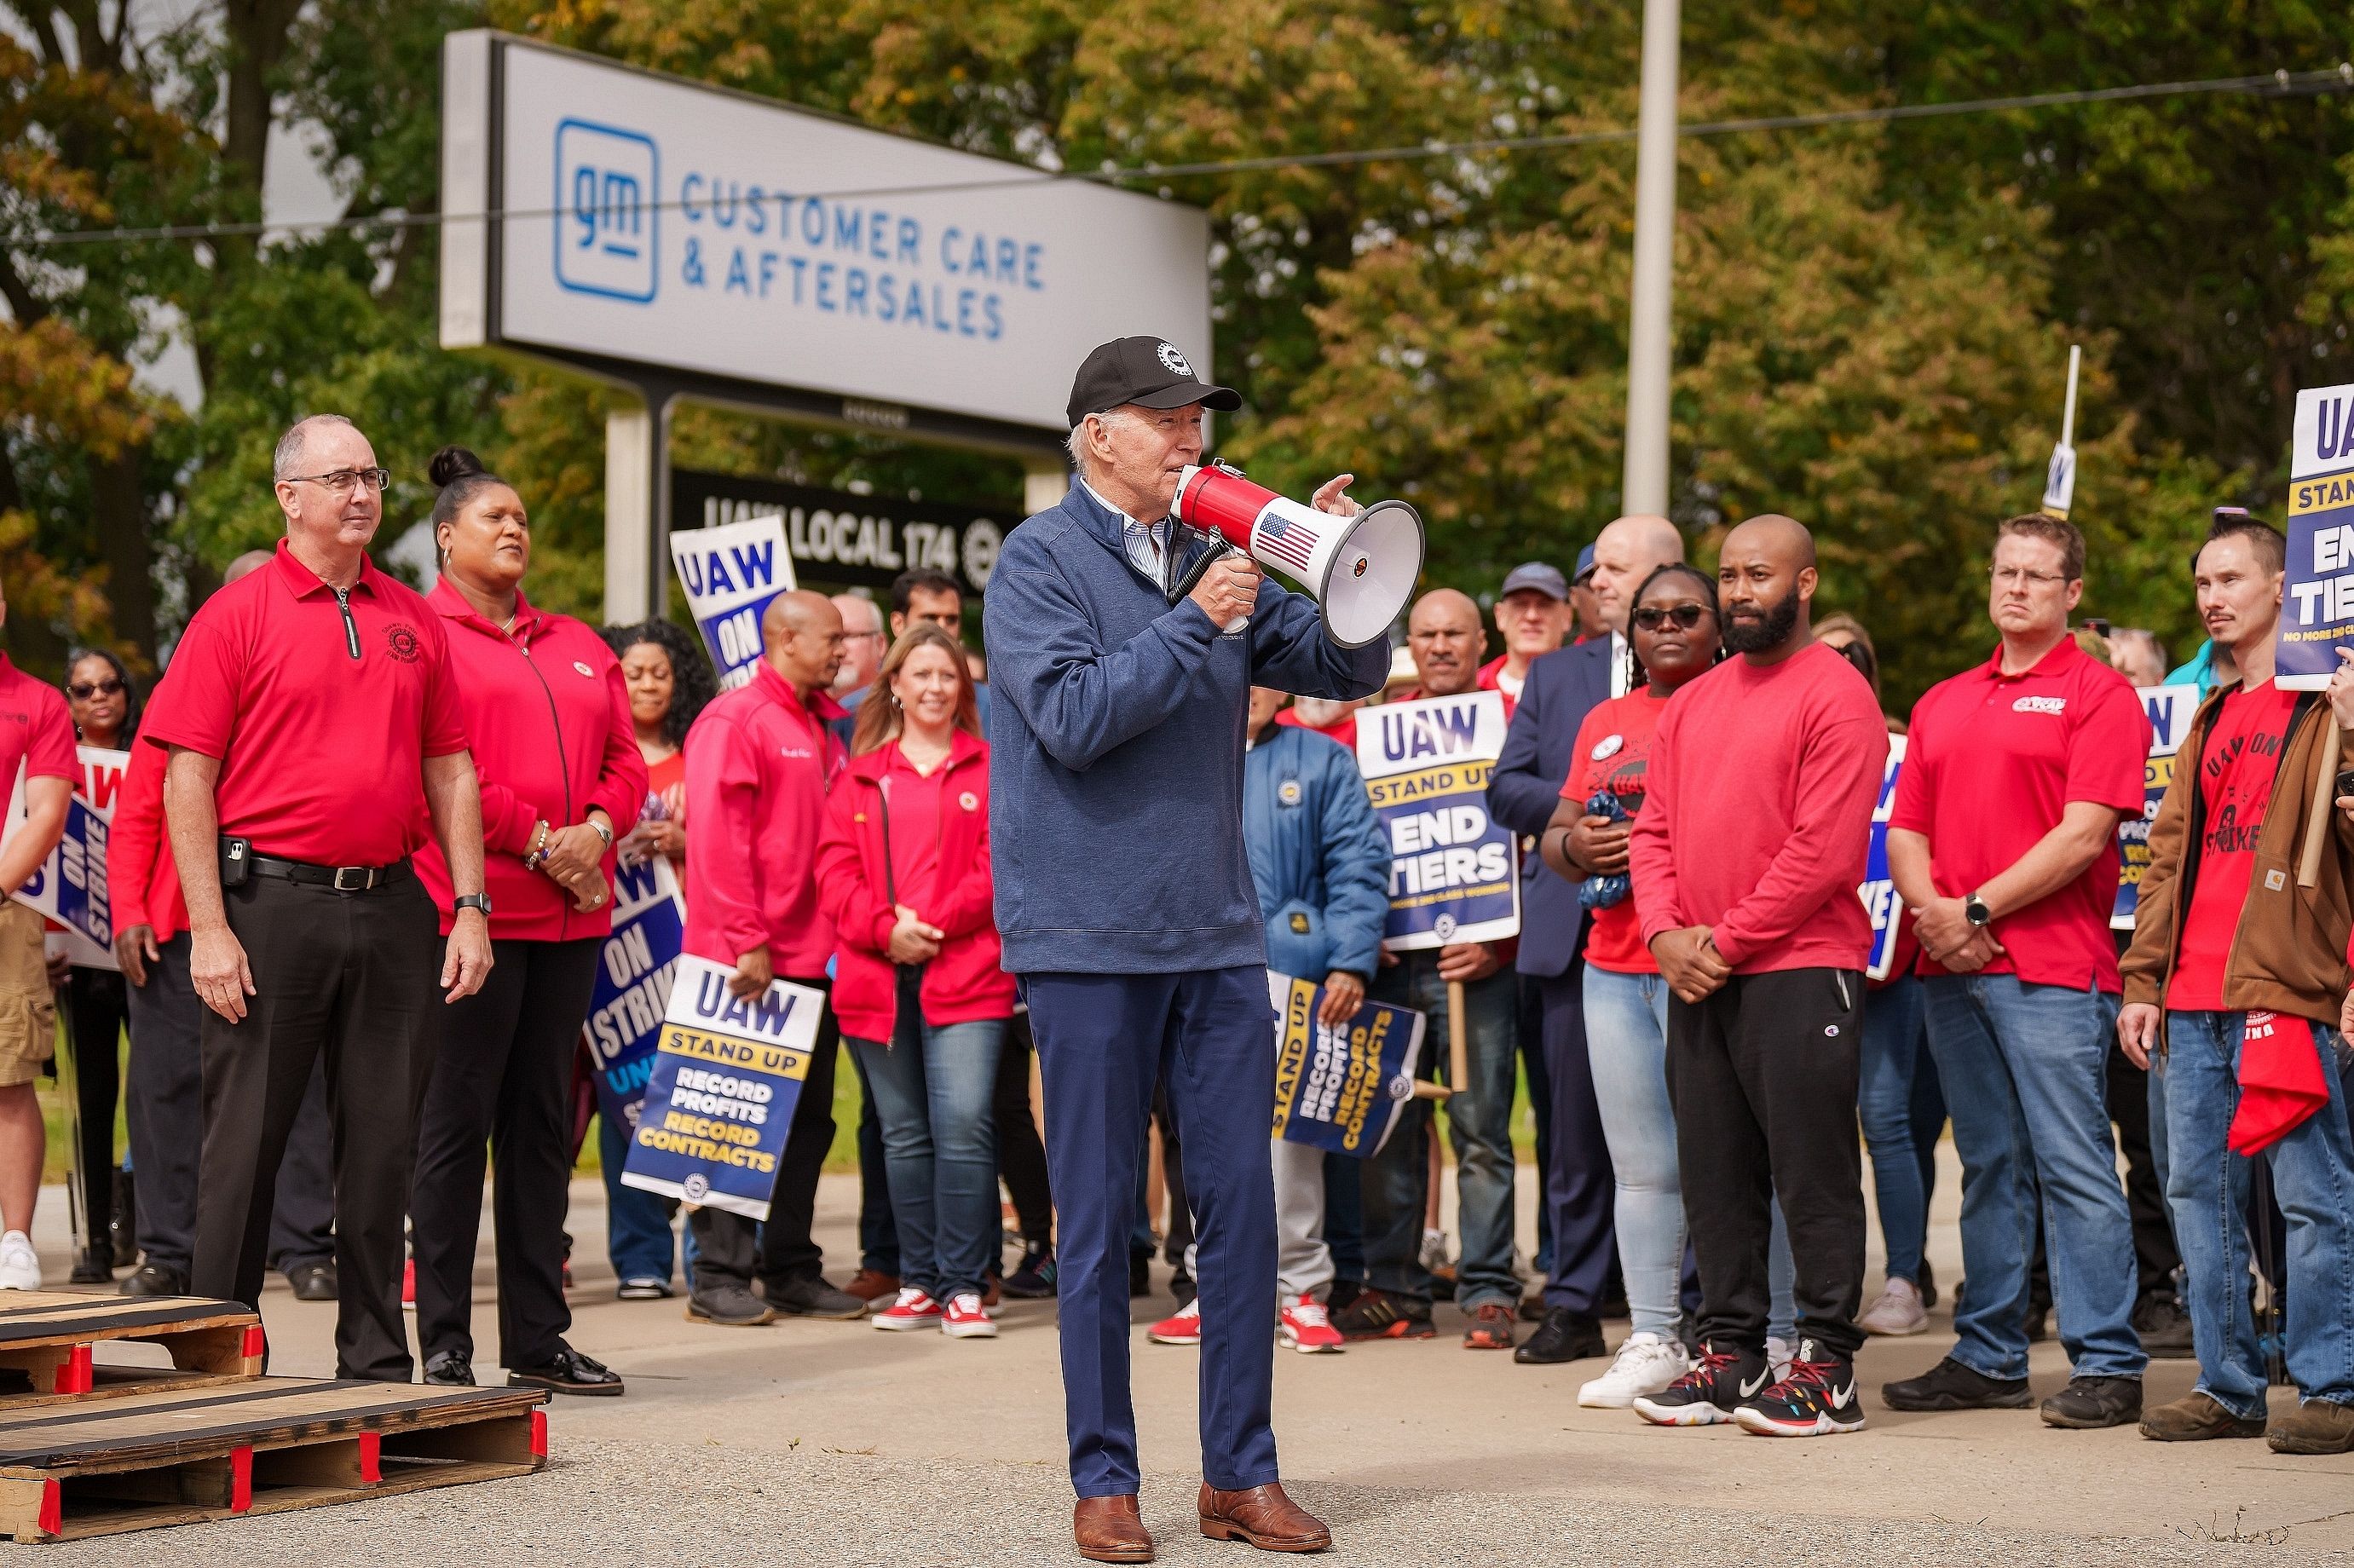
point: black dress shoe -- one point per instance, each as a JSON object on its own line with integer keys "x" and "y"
{"x": 2088, "y": 1402}
{"x": 567, "y": 1372}
{"x": 313, "y": 1281}
{"x": 154, "y": 1280}
{"x": 93, "y": 1266}
{"x": 1950, "y": 1385}
{"x": 1563, "y": 1336}
{"x": 450, "y": 1368}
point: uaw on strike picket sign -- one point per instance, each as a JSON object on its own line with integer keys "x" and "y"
{"x": 730, "y": 573}
{"x": 727, "y": 1073}
{"x": 2317, "y": 610}
{"x": 1453, "y": 872}
{"x": 2170, "y": 709}
{"x": 635, "y": 968}
{"x": 1341, "y": 1090}
{"x": 71, "y": 885}
{"x": 1879, "y": 889}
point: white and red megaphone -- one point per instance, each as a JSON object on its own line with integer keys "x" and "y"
{"x": 1362, "y": 569}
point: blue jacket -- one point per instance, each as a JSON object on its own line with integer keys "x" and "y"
{"x": 1317, "y": 855}
{"x": 1116, "y": 819}
{"x": 1562, "y": 687}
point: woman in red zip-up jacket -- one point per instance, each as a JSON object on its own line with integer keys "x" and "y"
{"x": 902, "y": 873}
{"x": 548, "y": 722}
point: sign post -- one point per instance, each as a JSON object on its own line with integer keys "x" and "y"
{"x": 2060, "y": 481}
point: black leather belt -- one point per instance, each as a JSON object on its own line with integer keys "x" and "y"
{"x": 341, "y": 878}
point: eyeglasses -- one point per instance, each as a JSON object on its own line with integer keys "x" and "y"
{"x": 1651, "y": 617}
{"x": 342, "y": 480}
{"x": 82, "y": 691}
{"x": 2019, "y": 577}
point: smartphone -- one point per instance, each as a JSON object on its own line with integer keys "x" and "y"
{"x": 2346, "y": 782}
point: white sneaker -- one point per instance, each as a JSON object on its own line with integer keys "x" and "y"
{"x": 20, "y": 1266}
{"x": 1646, "y": 1364}
{"x": 1898, "y": 1310}
{"x": 1777, "y": 1357}
{"x": 1434, "y": 1251}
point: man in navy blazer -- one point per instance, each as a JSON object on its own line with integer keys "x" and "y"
{"x": 1562, "y": 687}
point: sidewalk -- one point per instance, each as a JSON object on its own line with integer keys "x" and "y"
{"x": 827, "y": 1443}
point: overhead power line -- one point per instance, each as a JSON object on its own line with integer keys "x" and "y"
{"x": 2271, "y": 84}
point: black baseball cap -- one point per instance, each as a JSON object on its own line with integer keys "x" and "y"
{"x": 1148, "y": 371}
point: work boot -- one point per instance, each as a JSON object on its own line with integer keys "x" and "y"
{"x": 1264, "y": 1516}
{"x": 2314, "y": 1427}
{"x": 1950, "y": 1385}
{"x": 2195, "y": 1417}
{"x": 2088, "y": 1402}
{"x": 1109, "y": 1530}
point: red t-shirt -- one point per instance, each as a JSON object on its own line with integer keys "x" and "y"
{"x": 915, "y": 818}
{"x": 1992, "y": 763}
{"x": 36, "y": 730}
{"x": 321, "y": 722}
{"x": 2235, "y": 789}
{"x": 1345, "y": 732}
{"x": 1612, "y": 752}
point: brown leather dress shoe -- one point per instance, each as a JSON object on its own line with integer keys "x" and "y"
{"x": 1109, "y": 1530}
{"x": 1264, "y": 1516}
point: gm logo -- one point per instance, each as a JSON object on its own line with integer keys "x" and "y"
{"x": 609, "y": 220}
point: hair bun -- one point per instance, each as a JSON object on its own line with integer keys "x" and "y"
{"x": 451, "y": 464}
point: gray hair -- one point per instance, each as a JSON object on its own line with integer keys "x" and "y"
{"x": 289, "y": 456}
{"x": 1113, "y": 418}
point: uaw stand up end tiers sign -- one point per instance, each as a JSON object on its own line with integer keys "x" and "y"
{"x": 2317, "y": 611}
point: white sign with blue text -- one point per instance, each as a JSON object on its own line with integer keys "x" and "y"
{"x": 69, "y": 887}
{"x": 1879, "y": 889}
{"x": 2170, "y": 709}
{"x": 1454, "y": 870}
{"x": 658, "y": 220}
{"x": 2318, "y": 607}
{"x": 729, "y": 575}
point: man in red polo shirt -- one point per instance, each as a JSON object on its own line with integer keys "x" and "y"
{"x": 36, "y": 733}
{"x": 2003, "y": 843}
{"x": 312, "y": 724}
{"x": 758, "y": 762}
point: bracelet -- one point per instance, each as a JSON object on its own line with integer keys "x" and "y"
{"x": 1567, "y": 858}
{"x": 538, "y": 853}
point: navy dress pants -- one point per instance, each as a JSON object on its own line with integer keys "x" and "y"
{"x": 1208, "y": 1036}
{"x": 1581, "y": 1188}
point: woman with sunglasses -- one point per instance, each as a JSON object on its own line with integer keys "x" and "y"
{"x": 553, "y": 741}
{"x": 106, "y": 715}
{"x": 1674, "y": 635}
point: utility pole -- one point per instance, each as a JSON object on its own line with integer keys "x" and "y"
{"x": 1650, "y": 334}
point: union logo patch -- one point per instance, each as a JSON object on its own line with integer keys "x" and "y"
{"x": 400, "y": 640}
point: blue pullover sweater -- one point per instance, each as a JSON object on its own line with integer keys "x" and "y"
{"x": 1116, "y": 750}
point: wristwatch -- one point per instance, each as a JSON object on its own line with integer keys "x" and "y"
{"x": 1974, "y": 910}
{"x": 481, "y": 901}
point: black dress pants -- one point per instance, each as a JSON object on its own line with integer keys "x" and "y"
{"x": 503, "y": 1074}
{"x": 1762, "y": 1076}
{"x": 352, "y": 977}
{"x": 734, "y": 1246}
{"x": 94, "y": 998}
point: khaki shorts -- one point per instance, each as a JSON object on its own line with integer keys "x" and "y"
{"x": 28, "y": 1009}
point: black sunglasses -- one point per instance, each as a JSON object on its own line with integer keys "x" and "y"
{"x": 1651, "y": 617}
{"x": 84, "y": 690}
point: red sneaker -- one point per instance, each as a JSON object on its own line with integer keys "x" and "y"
{"x": 914, "y": 1309}
{"x": 1305, "y": 1328}
{"x": 967, "y": 1318}
{"x": 1185, "y": 1328}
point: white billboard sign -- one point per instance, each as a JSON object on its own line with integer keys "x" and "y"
{"x": 657, "y": 221}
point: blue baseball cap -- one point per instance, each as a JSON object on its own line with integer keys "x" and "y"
{"x": 1585, "y": 565}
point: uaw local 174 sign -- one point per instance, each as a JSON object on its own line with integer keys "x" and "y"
{"x": 729, "y": 574}
{"x": 69, "y": 887}
{"x": 2170, "y": 709}
{"x": 1879, "y": 889}
{"x": 1453, "y": 869}
{"x": 727, "y": 1073}
{"x": 2317, "y": 611}
{"x": 635, "y": 965}
{"x": 1341, "y": 1090}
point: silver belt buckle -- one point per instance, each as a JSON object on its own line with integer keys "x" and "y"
{"x": 367, "y": 875}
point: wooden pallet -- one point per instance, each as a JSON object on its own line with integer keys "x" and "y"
{"x": 49, "y": 1345}
{"x": 267, "y": 1446}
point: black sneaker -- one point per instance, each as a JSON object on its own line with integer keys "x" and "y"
{"x": 2164, "y": 1327}
{"x": 1950, "y": 1385}
{"x": 154, "y": 1280}
{"x": 1709, "y": 1394}
{"x": 809, "y": 1296}
{"x": 1383, "y": 1315}
{"x": 1033, "y": 1279}
{"x": 1817, "y": 1399}
{"x": 1563, "y": 1336}
{"x": 2089, "y": 1402}
{"x": 728, "y": 1303}
{"x": 569, "y": 1371}
{"x": 450, "y": 1368}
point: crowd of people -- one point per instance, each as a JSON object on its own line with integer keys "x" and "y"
{"x": 361, "y": 868}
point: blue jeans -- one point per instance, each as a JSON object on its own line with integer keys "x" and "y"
{"x": 2207, "y": 1190}
{"x": 1901, "y": 1108}
{"x": 637, "y": 1222}
{"x": 2025, "y": 1070}
{"x": 1627, "y": 1043}
{"x": 1393, "y": 1183}
{"x": 934, "y": 1087}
